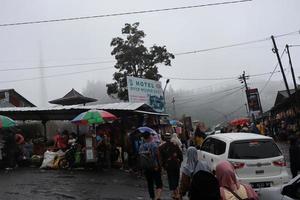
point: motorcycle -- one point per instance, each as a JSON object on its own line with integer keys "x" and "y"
{"x": 67, "y": 160}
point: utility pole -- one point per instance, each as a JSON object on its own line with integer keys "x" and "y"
{"x": 291, "y": 65}
{"x": 164, "y": 94}
{"x": 174, "y": 110}
{"x": 243, "y": 79}
{"x": 247, "y": 109}
{"x": 275, "y": 50}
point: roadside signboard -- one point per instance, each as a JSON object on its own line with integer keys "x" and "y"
{"x": 146, "y": 91}
{"x": 254, "y": 104}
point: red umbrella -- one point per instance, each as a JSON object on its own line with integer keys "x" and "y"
{"x": 240, "y": 122}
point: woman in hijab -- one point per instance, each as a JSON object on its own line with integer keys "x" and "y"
{"x": 193, "y": 165}
{"x": 176, "y": 140}
{"x": 230, "y": 188}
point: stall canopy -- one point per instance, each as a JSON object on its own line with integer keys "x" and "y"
{"x": 69, "y": 112}
{"x": 73, "y": 98}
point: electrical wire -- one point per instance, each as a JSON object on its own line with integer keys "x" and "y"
{"x": 286, "y": 34}
{"x": 222, "y": 47}
{"x": 218, "y": 78}
{"x": 295, "y": 45}
{"x": 54, "y": 66}
{"x": 269, "y": 79}
{"x": 212, "y": 101}
{"x": 201, "y": 79}
{"x": 122, "y": 14}
{"x": 175, "y": 78}
{"x": 55, "y": 75}
{"x": 236, "y": 44}
{"x": 199, "y": 94}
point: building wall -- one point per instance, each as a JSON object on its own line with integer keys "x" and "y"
{"x": 10, "y": 99}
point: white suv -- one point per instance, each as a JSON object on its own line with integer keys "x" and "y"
{"x": 257, "y": 159}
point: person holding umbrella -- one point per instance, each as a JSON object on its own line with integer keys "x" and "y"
{"x": 10, "y": 146}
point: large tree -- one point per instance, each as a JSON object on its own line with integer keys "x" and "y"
{"x": 134, "y": 59}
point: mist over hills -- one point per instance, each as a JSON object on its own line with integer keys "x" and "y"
{"x": 212, "y": 105}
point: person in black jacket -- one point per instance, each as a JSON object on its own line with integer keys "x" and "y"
{"x": 294, "y": 155}
{"x": 171, "y": 157}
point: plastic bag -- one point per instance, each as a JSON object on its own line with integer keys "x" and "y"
{"x": 48, "y": 159}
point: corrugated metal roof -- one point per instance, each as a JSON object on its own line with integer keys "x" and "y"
{"x": 151, "y": 113}
{"x": 117, "y": 106}
{"x": 110, "y": 106}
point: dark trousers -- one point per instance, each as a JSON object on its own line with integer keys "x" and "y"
{"x": 153, "y": 177}
{"x": 173, "y": 178}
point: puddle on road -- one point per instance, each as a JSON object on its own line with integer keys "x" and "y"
{"x": 65, "y": 176}
{"x": 63, "y": 195}
{"x": 12, "y": 193}
{"x": 114, "y": 199}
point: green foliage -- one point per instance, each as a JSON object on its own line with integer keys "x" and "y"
{"x": 134, "y": 59}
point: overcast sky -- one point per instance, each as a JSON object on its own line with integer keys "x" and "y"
{"x": 86, "y": 41}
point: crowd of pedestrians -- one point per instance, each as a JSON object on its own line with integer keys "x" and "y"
{"x": 280, "y": 128}
{"x": 196, "y": 181}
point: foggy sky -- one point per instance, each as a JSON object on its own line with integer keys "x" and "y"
{"x": 185, "y": 30}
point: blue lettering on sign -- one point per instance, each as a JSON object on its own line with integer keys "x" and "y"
{"x": 142, "y": 84}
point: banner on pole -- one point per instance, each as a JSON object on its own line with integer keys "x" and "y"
{"x": 254, "y": 103}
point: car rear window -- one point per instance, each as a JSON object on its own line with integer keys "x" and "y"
{"x": 253, "y": 149}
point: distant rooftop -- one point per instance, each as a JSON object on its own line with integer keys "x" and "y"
{"x": 73, "y": 98}
{"x": 17, "y": 95}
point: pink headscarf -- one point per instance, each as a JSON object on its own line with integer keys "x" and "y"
{"x": 226, "y": 176}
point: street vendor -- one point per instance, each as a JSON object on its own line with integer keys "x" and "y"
{"x": 61, "y": 140}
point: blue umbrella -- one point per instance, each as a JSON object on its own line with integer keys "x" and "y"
{"x": 173, "y": 122}
{"x": 146, "y": 129}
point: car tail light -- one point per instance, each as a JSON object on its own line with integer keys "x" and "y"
{"x": 279, "y": 163}
{"x": 238, "y": 165}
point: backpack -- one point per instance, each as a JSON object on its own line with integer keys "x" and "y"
{"x": 147, "y": 161}
{"x": 171, "y": 157}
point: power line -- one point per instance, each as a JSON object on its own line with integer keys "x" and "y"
{"x": 263, "y": 74}
{"x": 217, "y": 78}
{"x": 55, "y": 75}
{"x": 264, "y": 87}
{"x": 222, "y": 47}
{"x": 199, "y": 94}
{"x": 295, "y": 45}
{"x": 124, "y": 13}
{"x": 54, "y": 66}
{"x": 200, "y": 79}
{"x": 212, "y": 101}
{"x": 235, "y": 44}
{"x": 286, "y": 34}
{"x": 178, "y": 54}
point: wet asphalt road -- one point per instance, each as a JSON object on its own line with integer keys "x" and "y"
{"x": 36, "y": 184}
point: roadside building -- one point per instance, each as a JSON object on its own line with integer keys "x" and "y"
{"x": 11, "y": 98}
